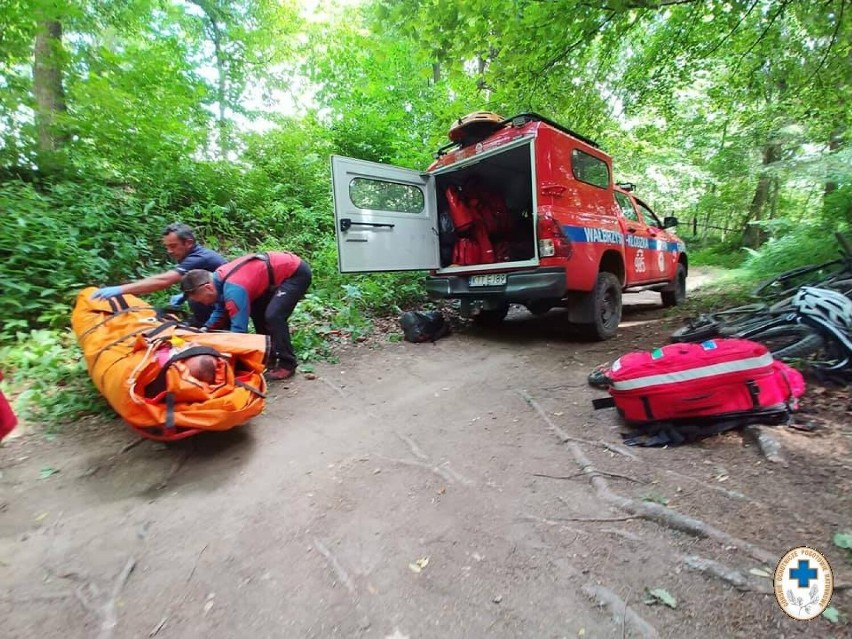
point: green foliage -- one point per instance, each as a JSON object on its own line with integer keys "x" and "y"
{"x": 46, "y": 376}
{"x": 844, "y": 540}
{"x": 733, "y": 114}
{"x": 835, "y": 616}
{"x": 724, "y": 255}
{"x": 57, "y": 241}
{"x": 800, "y": 245}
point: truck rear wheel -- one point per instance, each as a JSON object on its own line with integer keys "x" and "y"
{"x": 491, "y": 317}
{"x": 606, "y": 302}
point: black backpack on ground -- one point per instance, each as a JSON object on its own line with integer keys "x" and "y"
{"x": 420, "y": 326}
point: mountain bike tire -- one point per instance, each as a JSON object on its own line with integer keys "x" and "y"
{"x": 787, "y": 341}
{"x": 789, "y": 282}
{"x": 697, "y": 331}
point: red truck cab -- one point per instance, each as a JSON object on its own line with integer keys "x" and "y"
{"x": 550, "y": 228}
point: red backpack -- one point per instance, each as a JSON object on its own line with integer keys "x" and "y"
{"x": 688, "y": 391}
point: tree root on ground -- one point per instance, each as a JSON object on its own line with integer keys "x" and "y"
{"x": 619, "y": 610}
{"x": 88, "y": 593}
{"x": 732, "y": 494}
{"x": 565, "y": 437}
{"x": 740, "y": 581}
{"x": 649, "y": 510}
{"x": 768, "y": 445}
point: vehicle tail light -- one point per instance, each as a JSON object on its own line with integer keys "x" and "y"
{"x": 552, "y": 241}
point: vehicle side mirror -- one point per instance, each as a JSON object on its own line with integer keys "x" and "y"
{"x": 669, "y": 221}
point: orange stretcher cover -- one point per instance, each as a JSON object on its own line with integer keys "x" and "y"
{"x": 139, "y": 363}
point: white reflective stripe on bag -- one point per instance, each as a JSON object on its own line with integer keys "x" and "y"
{"x": 735, "y": 366}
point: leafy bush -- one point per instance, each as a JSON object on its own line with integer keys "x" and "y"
{"x": 47, "y": 379}
{"x": 802, "y": 244}
{"x": 724, "y": 255}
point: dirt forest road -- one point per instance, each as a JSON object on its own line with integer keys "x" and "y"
{"x": 457, "y": 489}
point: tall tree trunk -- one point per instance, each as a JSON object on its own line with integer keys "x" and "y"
{"x": 753, "y": 234}
{"x": 213, "y": 14}
{"x": 47, "y": 87}
{"x": 831, "y": 204}
{"x": 221, "y": 97}
{"x": 835, "y": 141}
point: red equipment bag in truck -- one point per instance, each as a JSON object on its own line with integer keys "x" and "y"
{"x": 682, "y": 392}
{"x": 463, "y": 215}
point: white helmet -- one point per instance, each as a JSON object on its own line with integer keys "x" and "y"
{"x": 826, "y": 304}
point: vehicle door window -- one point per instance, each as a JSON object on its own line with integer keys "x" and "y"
{"x": 626, "y": 207}
{"x": 379, "y": 195}
{"x": 648, "y": 216}
{"x": 589, "y": 169}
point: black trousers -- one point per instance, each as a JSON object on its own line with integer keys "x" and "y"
{"x": 271, "y": 312}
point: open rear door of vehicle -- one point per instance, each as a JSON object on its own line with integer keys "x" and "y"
{"x": 385, "y": 217}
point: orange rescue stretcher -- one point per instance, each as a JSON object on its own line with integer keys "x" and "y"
{"x": 169, "y": 381}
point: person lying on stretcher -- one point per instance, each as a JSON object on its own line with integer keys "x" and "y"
{"x": 205, "y": 370}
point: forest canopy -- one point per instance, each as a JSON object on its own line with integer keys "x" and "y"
{"x": 119, "y": 116}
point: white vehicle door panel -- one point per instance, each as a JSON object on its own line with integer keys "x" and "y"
{"x": 385, "y": 217}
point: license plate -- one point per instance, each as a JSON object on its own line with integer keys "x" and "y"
{"x": 492, "y": 279}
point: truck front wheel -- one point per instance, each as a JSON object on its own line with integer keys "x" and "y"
{"x": 677, "y": 294}
{"x": 606, "y": 301}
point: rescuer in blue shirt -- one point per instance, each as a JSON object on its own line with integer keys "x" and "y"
{"x": 182, "y": 247}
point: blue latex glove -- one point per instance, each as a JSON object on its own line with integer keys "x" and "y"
{"x": 176, "y": 300}
{"x": 106, "y": 292}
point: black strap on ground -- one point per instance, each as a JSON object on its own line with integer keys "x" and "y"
{"x": 603, "y": 402}
{"x": 676, "y": 432}
{"x": 251, "y": 388}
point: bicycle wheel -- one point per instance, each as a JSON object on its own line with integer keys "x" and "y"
{"x": 697, "y": 330}
{"x": 842, "y": 285}
{"x": 789, "y": 282}
{"x": 787, "y": 341}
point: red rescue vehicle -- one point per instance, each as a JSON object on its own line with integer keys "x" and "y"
{"x": 514, "y": 211}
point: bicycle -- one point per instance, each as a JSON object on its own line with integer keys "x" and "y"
{"x": 786, "y": 284}
{"x": 820, "y": 324}
{"x": 834, "y": 275}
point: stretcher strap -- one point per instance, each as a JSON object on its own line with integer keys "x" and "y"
{"x": 131, "y": 380}
{"x": 129, "y": 309}
{"x": 170, "y": 413}
{"x": 164, "y": 327}
{"x": 159, "y": 382}
{"x": 118, "y": 303}
{"x": 116, "y": 342}
{"x": 251, "y": 388}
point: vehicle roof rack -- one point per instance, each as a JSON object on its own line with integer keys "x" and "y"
{"x": 521, "y": 119}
